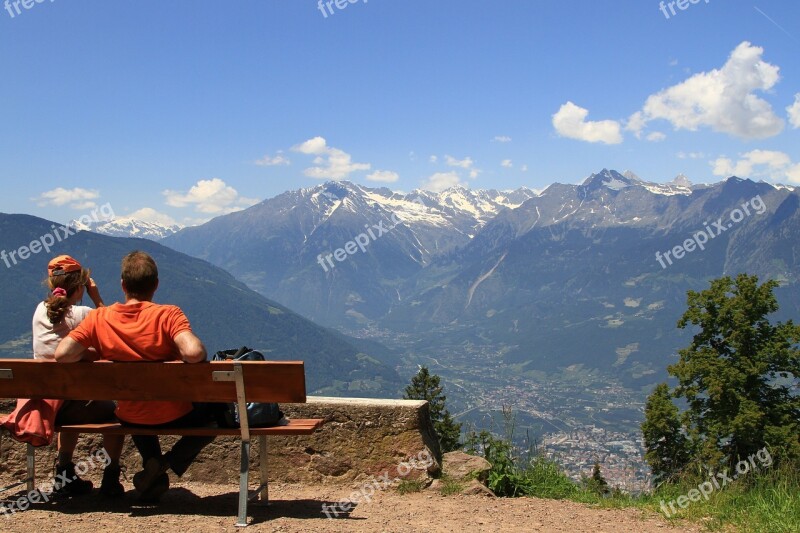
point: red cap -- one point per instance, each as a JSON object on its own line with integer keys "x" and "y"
{"x": 61, "y": 265}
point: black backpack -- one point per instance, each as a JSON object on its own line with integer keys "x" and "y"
{"x": 259, "y": 415}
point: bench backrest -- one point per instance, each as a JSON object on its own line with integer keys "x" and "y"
{"x": 268, "y": 381}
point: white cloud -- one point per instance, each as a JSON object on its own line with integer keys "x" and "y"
{"x": 506, "y": 163}
{"x": 722, "y": 99}
{"x": 794, "y": 112}
{"x": 77, "y": 198}
{"x": 473, "y": 173}
{"x": 570, "y": 121}
{"x": 690, "y": 155}
{"x": 636, "y": 124}
{"x": 212, "y": 196}
{"x": 441, "y": 181}
{"x": 278, "y": 160}
{"x": 524, "y": 168}
{"x": 331, "y": 163}
{"x": 433, "y": 159}
{"x": 777, "y": 166}
{"x": 467, "y": 162}
{"x": 148, "y": 214}
{"x": 656, "y": 136}
{"x": 502, "y": 139}
{"x": 315, "y": 146}
{"x": 385, "y": 176}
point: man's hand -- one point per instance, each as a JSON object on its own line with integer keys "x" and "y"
{"x": 70, "y": 351}
{"x": 190, "y": 347}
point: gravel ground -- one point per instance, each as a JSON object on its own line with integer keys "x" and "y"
{"x": 190, "y": 507}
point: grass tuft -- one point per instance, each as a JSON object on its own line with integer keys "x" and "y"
{"x": 408, "y": 486}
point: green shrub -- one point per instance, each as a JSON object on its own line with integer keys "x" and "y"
{"x": 515, "y": 473}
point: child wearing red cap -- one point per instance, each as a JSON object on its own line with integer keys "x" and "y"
{"x": 60, "y": 313}
{"x": 53, "y": 319}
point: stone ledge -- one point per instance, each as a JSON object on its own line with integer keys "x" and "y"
{"x": 374, "y": 402}
{"x": 361, "y": 438}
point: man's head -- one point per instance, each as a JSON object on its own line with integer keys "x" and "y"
{"x": 139, "y": 276}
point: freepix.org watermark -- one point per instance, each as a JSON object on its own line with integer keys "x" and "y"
{"x": 422, "y": 461}
{"x": 361, "y": 241}
{"x": 326, "y": 6}
{"x": 682, "y": 5}
{"x": 718, "y": 481}
{"x": 43, "y": 493}
{"x": 57, "y": 235}
{"x": 13, "y": 6}
{"x": 700, "y": 238}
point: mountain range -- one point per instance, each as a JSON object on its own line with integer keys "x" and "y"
{"x": 565, "y": 278}
{"x": 223, "y": 312}
{"x": 128, "y": 227}
{"x": 275, "y": 246}
{"x": 579, "y": 284}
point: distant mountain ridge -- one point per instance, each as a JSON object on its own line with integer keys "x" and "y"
{"x": 572, "y": 277}
{"x": 129, "y": 227}
{"x": 274, "y": 245}
{"x": 223, "y": 311}
{"x": 567, "y": 276}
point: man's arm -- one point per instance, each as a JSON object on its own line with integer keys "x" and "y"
{"x": 190, "y": 347}
{"x": 70, "y": 351}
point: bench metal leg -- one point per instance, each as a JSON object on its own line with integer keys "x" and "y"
{"x": 244, "y": 470}
{"x": 31, "y": 467}
{"x": 262, "y": 460}
{"x": 244, "y": 467}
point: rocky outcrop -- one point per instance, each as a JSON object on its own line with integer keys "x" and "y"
{"x": 463, "y": 473}
{"x": 461, "y": 466}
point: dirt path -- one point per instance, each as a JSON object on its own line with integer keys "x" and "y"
{"x": 197, "y": 507}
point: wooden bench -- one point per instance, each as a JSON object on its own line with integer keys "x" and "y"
{"x": 228, "y": 381}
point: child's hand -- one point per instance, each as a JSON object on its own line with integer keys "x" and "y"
{"x": 94, "y": 293}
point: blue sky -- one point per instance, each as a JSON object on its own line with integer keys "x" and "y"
{"x": 184, "y": 110}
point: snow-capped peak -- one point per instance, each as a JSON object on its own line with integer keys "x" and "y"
{"x": 610, "y": 179}
{"x": 681, "y": 181}
{"x": 129, "y": 227}
{"x": 631, "y": 176}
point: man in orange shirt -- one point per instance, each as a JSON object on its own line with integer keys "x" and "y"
{"x": 140, "y": 330}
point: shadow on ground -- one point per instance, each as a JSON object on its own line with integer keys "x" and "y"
{"x": 181, "y": 501}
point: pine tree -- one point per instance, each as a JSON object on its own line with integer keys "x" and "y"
{"x": 667, "y": 447}
{"x": 600, "y": 483}
{"x": 738, "y": 373}
{"x": 596, "y": 482}
{"x": 425, "y": 386}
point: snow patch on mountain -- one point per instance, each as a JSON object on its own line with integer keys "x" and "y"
{"x": 613, "y": 180}
{"x": 128, "y": 227}
{"x": 616, "y": 184}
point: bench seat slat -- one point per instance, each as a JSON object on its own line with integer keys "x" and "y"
{"x": 305, "y": 426}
